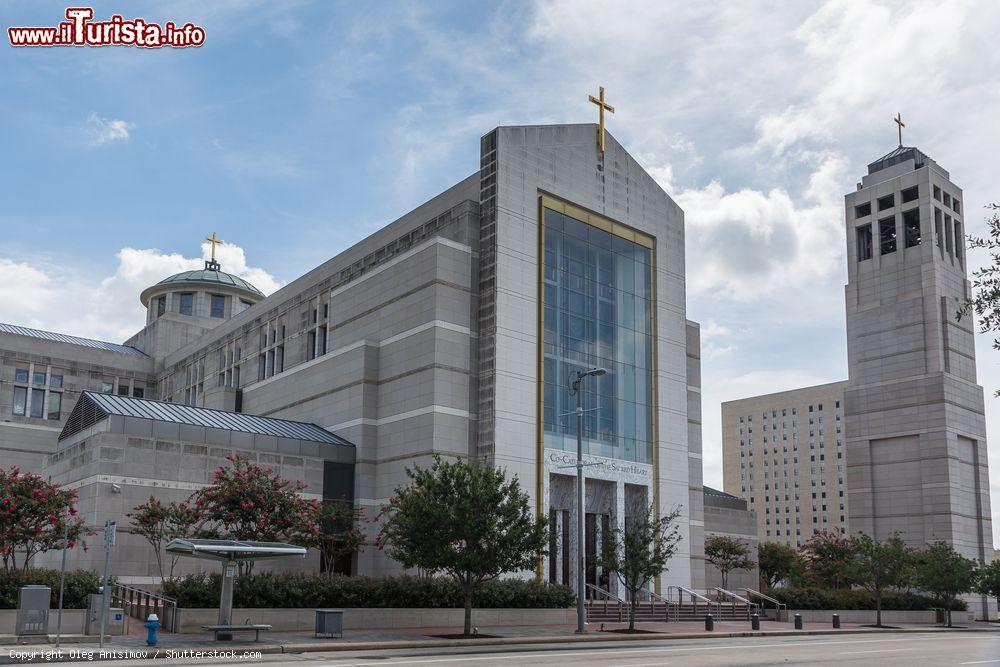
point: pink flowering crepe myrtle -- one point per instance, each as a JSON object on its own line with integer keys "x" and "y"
{"x": 34, "y": 514}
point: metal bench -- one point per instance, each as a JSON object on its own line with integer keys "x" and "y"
{"x": 229, "y": 628}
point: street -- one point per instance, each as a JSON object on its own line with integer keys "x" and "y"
{"x": 937, "y": 648}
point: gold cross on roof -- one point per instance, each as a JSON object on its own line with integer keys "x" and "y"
{"x": 602, "y": 107}
{"x": 214, "y": 241}
{"x": 899, "y": 121}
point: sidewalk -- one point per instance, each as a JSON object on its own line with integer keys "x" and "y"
{"x": 133, "y": 645}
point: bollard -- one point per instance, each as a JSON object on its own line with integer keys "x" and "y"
{"x": 755, "y": 622}
{"x": 709, "y": 622}
{"x": 798, "y": 621}
{"x": 836, "y": 621}
{"x": 152, "y": 624}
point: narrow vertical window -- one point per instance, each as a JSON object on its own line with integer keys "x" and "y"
{"x": 55, "y": 404}
{"x": 949, "y": 244}
{"x": 20, "y": 398}
{"x": 186, "y": 303}
{"x": 938, "y": 229}
{"x": 37, "y": 403}
{"x": 911, "y": 227}
{"x": 161, "y": 305}
{"x": 959, "y": 240}
{"x": 311, "y": 345}
{"x": 864, "y": 242}
{"x": 218, "y": 305}
{"x": 887, "y": 235}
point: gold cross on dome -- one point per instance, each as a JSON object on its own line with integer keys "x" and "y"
{"x": 602, "y": 107}
{"x": 214, "y": 241}
{"x": 899, "y": 121}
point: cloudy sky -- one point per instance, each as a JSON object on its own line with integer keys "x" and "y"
{"x": 301, "y": 127}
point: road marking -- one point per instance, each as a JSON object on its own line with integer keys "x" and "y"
{"x": 981, "y": 662}
{"x": 559, "y": 653}
{"x": 885, "y": 650}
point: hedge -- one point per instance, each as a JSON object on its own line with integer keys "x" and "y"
{"x": 79, "y": 584}
{"x": 853, "y": 598}
{"x": 297, "y": 590}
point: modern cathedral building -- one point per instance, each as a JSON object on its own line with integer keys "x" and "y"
{"x": 455, "y": 330}
{"x": 911, "y": 445}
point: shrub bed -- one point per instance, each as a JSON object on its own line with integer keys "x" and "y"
{"x": 295, "y": 590}
{"x": 79, "y": 584}
{"x": 848, "y": 599}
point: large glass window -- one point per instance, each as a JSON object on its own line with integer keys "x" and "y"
{"x": 598, "y": 312}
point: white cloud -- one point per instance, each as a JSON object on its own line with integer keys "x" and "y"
{"x": 49, "y": 296}
{"x": 102, "y": 130}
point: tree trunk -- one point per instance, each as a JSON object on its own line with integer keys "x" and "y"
{"x": 468, "y": 609}
{"x": 878, "y": 609}
{"x": 725, "y": 579}
{"x": 631, "y": 612}
{"x": 949, "y": 615}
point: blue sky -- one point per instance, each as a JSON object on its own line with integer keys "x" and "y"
{"x": 300, "y": 127}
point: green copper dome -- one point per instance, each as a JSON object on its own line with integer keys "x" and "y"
{"x": 209, "y": 278}
{"x": 212, "y": 278}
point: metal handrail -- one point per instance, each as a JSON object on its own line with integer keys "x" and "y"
{"x": 681, "y": 590}
{"x": 608, "y": 595}
{"x": 752, "y": 607}
{"x": 667, "y": 602}
{"x": 778, "y": 605}
{"x": 138, "y": 604}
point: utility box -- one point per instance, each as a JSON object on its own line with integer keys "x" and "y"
{"x": 33, "y": 610}
{"x": 329, "y": 622}
{"x": 116, "y": 618}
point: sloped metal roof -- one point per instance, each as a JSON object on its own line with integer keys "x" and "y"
{"x": 93, "y": 407}
{"x": 72, "y": 340}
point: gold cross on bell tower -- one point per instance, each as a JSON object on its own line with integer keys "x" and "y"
{"x": 899, "y": 121}
{"x": 214, "y": 240}
{"x": 602, "y": 107}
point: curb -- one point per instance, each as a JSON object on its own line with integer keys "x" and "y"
{"x": 605, "y": 637}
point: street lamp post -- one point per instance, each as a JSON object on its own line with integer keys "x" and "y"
{"x": 581, "y": 574}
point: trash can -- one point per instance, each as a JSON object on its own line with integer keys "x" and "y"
{"x": 330, "y": 623}
{"x": 33, "y": 610}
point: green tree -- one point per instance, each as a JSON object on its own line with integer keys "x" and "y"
{"x": 827, "y": 558}
{"x": 985, "y": 299}
{"x": 466, "y": 520}
{"x": 989, "y": 580}
{"x": 640, "y": 553}
{"x": 339, "y": 534}
{"x": 158, "y": 523}
{"x": 777, "y": 562}
{"x": 944, "y": 573}
{"x": 35, "y": 515}
{"x": 877, "y": 565}
{"x": 727, "y": 554}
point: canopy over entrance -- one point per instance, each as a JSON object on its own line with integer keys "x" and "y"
{"x": 229, "y": 553}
